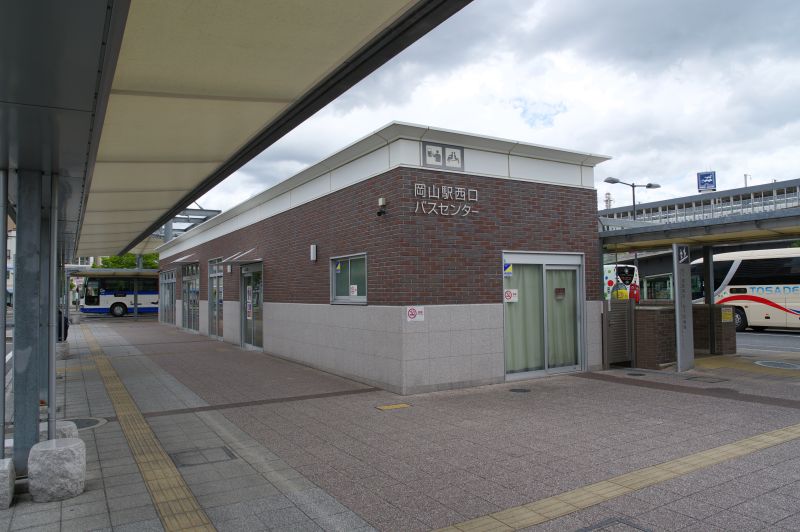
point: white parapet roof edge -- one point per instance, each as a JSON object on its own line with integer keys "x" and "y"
{"x": 381, "y": 138}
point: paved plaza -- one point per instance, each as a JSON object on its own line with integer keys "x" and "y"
{"x": 204, "y": 435}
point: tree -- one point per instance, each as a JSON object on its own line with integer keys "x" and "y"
{"x": 128, "y": 261}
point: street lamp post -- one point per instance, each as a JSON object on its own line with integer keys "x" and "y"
{"x": 634, "y": 186}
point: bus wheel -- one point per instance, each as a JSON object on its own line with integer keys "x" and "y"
{"x": 740, "y": 319}
{"x": 118, "y": 310}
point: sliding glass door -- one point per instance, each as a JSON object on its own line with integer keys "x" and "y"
{"x": 543, "y": 301}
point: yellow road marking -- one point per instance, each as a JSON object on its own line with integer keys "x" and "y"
{"x": 393, "y": 407}
{"x": 568, "y": 502}
{"x": 176, "y": 505}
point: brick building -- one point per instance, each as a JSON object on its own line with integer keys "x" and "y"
{"x": 415, "y": 259}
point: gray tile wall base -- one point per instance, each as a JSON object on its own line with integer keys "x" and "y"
{"x": 456, "y": 345}
{"x": 178, "y": 313}
{"x": 203, "y": 317}
{"x": 231, "y": 322}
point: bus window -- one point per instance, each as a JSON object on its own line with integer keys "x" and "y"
{"x": 721, "y": 269}
{"x": 92, "y": 291}
{"x": 116, "y": 287}
{"x": 784, "y": 270}
{"x": 148, "y": 286}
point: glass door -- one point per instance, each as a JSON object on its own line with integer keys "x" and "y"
{"x": 563, "y": 318}
{"x": 542, "y": 300}
{"x": 252, "y": 312}
{"x": 524, "y": 319}
{"x": 215, "y": 298}
{"x": 190, "y": 292}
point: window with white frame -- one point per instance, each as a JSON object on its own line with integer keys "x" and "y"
{"x": 349, "y": 279}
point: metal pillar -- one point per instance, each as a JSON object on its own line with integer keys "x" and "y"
{"x": 136, "y": 286}
{"x": 3, "y": 273}
{"x": 53, "y": 302}
{"x": 27, "y": 293}
{"x": 44, "y": 289}
{"x": 709, "y": 283}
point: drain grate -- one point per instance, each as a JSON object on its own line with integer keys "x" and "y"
{"x": 636, "y": 374}
{"x": 195, "y": 457}
{"x": 85, "y": 423}
{"x": 777, "y": 364}
{"x": 519, "y": 390}
{"x": 710, "y": 380}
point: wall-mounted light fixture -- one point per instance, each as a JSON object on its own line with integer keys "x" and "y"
{"x": 313, "y": 253}
{"x": 381, "y": 206}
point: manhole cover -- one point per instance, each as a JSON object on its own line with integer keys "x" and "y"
{"x": 520, "y": 390}
{"x": 636, "y": 374}
{"x": 202, "y": 456}
{"x": 777, "y": 364}
{"x": 84, "y": 423}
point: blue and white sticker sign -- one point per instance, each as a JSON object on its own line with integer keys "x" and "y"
{"x": 338, "y": 267}
{"x": 508, "y": 270}
{"x": 706, "y": 181}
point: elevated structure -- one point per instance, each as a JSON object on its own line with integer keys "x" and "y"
{"x": 757, "y": 213}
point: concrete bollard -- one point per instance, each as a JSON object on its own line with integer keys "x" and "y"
{"x": 64, "y": 429}
{"x": 7, "y": 478}
{"x": 57, "y": 469}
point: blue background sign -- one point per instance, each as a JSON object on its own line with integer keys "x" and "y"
{"x": 706, "y": 181}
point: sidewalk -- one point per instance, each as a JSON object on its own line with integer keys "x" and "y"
{"x": 252, "y": 442}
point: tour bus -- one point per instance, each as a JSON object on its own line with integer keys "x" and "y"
{"x": 762, "y": 285}
{"x": 620, "y": 281}
{"x": 114, "y": 294}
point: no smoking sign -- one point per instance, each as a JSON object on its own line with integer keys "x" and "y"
{"x": 511, "y": 295}
{"x": 415, "y": 313}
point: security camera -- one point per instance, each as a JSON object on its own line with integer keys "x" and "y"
{"x": 381, "y": 206}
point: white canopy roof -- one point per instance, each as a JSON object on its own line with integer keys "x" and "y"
{"x": 201, "y": 87}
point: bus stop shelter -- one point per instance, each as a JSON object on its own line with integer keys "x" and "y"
{"x": 116, "y": 115}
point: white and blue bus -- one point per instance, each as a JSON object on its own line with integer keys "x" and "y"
{"x": 118, "y": 294}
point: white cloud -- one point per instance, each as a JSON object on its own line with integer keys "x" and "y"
{"x": 666, "y": 88}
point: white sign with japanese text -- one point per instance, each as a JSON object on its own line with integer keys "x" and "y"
{"x": 445, "y": 200}
{"x": 415, "y": 313}
{"x": 511, "y": 295}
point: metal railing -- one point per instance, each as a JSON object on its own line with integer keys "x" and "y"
{"x": 710, "y": 206}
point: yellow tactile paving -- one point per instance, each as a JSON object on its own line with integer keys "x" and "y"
{"x": 176, "y": 505}
{"x": 568, "y": 502}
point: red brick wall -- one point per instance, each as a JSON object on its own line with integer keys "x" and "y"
{"x": 412, "y": 258}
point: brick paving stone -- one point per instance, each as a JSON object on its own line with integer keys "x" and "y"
{"x": 468, "y": 452}
{"x": 730, "y": 520}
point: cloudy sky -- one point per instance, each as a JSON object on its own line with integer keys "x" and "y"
{"x": 667, "y": 88}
